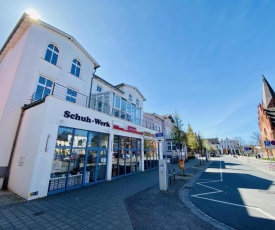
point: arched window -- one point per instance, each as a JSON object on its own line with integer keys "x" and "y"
{"x": 52, "y": 54}
{"x": 75, "y": 70}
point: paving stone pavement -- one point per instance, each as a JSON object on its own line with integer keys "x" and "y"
{"x": 100, "y": 206}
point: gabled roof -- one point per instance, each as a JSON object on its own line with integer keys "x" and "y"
{"x": 268, "y": 93}
{"x": 23, "y": 25}
{"x": 133, "y": 87}
{"x": 107, "y": 83}
{"x": 153, "y": 114}
{"x": 168, "y": 116}
{"x": 213, "y": 140}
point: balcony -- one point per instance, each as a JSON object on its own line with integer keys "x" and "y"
{"x": 61, "y": 92}
{"x": 96, "y": 102}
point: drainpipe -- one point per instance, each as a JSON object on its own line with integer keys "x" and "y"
{"x": 91, "y": 86}
{"x": 23, "y": 109}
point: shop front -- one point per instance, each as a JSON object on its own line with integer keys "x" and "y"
{"x": 126, "y": 157}
{"x": 127, "y": 152}
{"x": 80, "y": 159}
{"x": 151, "y": 154}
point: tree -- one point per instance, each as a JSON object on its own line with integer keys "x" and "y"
{"x": 191, "y": 138}
{"x": 256, "y": 137}
{"x": 179, "y": 135}
{"x": 207, "y": 145}
{"x": 240, "y": 141}
{"x": 200, "y": 142}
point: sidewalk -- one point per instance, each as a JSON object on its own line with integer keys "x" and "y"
{"x": 132, "y": 202}
{"x": 260, "y": 164}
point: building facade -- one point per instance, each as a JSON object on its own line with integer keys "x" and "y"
{"x": 266, "y": 117}
{"x": 228, "y": 146}
{"x": 64, "y": 127}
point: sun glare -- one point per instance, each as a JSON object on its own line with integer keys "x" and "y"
{"x": 33, "y": 13}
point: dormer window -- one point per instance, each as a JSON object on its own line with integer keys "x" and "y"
{"x": 130, "y": 97}
{"x": 98, "y": 88}
{"x": 137, "y": 102}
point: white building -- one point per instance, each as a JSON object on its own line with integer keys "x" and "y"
{"x": 228, "y": 146}
{"x": 63, "y": 127}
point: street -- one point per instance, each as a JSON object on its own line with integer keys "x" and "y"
{"x": 236, "y": 194}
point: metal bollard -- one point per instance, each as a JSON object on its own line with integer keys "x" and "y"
{"x": 174, "y": 175}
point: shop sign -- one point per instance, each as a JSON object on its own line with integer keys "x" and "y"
{"x": 127, "y": 128}
{"x": 147, "y": 134}
{"x": 75, "y": 116}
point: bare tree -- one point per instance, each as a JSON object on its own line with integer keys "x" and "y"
{"x": 240, "y": 141}
{"x": 256, "y": 137}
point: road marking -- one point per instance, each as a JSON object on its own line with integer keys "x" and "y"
{"x": 199, "y": 196}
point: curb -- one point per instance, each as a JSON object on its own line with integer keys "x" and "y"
{"x": 183, "y": 194}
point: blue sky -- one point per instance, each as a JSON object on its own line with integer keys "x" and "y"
{"x": 201, "y": 58}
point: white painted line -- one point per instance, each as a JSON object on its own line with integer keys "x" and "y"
{"x": 223, "y": 202}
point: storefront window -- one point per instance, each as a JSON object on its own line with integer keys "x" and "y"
{"x": 77, "y": 162}
{"x": 128, "y": 142}
{"x": 122, "y": 142}
{"x": 93, "y": 139}
{"x": 64, "y": 137}
{"x": 101, "y": 169}
{"x": 126, "y": 158}
{"x": 104, "y": 140}
{"x": 80, "y": 138}
{"x": 116, "y": 142}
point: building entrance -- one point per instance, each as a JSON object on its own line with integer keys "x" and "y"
{"x": 80, "y": 159}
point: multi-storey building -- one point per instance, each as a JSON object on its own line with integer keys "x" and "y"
{"x": 266, "y": 117}
{"x": 64, "y": 127}
{"x": 228, "y": 146}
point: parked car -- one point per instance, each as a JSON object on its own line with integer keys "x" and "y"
{"x": 212, "y": 154}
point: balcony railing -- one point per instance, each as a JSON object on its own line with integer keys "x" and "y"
{"x": 59, "y": 91}
{"x": 64, "y": 93}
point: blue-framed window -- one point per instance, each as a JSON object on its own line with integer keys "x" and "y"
{"x": 44, "y": 88}
{"x": 52, "y": 54}
{"x": 98, "y": 88}
{"x": 71, "y": 95}
{"x": 76, "y": 66}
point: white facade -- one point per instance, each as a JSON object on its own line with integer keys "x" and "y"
{"x": 228, "y": 146}
{"x": 55, "y": 95}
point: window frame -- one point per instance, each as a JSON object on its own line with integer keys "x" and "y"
{"x": 53, "y": 54}
{"x": 77, "y": 66}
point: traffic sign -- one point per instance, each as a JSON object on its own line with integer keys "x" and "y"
{"x": 159, "y": 136}
{"x": 267, "y": 144}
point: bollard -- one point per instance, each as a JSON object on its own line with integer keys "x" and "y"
{"x": 174, "y": 175}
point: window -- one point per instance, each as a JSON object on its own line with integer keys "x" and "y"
{"x": 130, "y": 97}
{"x": 126, "y": 110}
{"x": 52, "y": 54}
{"x": 137, "y": 102}
{"x": 44, "y": 88}
{"x": 98, "y": 88}
{"x": 117, "y": 102}
{"x": 75, "y": 70}
{"x": 71, "y": 95}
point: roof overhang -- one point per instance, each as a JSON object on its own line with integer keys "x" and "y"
{"x": 133, "y": 87}
{"x": 23, "y": 25}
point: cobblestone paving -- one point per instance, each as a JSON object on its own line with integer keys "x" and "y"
{"x": 155, "y": 209}
{"x": 100, "y": 206}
